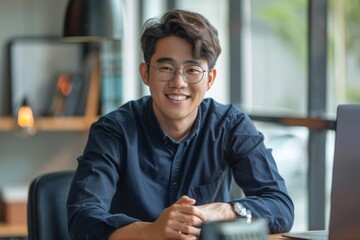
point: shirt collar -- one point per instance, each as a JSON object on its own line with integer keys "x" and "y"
{"x": 154, "y": 124}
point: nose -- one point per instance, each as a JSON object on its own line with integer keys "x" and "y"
{"x": 179, "y": 79}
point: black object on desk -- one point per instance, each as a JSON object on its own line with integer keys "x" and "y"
{"x": 244, "y": 229}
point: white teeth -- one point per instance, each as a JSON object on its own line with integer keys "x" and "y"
{"x": 177, "y": 97}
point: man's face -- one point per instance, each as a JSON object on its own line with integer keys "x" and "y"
{"x": 176, "y": 100}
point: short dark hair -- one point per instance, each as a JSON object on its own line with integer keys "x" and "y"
{"x": 190, "y": 26}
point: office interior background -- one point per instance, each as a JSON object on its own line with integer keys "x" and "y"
{"x": 287, "y": 63}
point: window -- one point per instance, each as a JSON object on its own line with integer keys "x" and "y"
{"x": 289, "y": 60}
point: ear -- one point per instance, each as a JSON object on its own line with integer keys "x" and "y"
{"x": 144, "y": 72}
{"x": 211, "y": 78}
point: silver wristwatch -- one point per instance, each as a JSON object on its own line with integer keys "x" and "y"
{"x": 239, "y": 209}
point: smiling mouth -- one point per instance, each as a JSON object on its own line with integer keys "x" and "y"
{"x": 177, "y": 97}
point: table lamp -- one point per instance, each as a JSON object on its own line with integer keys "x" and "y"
{"x": 25, "y": 118}
{"x": 93, "y": 20}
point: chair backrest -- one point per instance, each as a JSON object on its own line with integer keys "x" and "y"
{"x": 47, "y": 217}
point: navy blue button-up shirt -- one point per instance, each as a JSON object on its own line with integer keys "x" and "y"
{"x": 131, "y": 169}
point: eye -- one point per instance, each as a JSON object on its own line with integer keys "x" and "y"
{"x": 166, "y": 67}
{"x": 193, "y": 70}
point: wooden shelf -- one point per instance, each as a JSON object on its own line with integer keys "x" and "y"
{"x": 9, "y": 230}
{"x": 52, "y": 124}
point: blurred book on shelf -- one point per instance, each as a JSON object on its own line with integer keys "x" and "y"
{"x": 65, "y": 95}
{"x": 111, "y": 81}
{"x": 93, "y": 97}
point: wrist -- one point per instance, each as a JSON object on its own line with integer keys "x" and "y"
{"x": 239, "y": 210}
{"x": 136, "y": 230}
{"x": 231, "y": 214}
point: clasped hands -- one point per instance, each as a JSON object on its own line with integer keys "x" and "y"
{"x": 182, "y": 220}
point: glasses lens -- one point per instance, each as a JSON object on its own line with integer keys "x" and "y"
{"x": 193, "y": 73}
{"x": 165, "y": 71}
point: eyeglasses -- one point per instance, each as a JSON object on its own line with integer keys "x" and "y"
{"x": 191, "y": 74}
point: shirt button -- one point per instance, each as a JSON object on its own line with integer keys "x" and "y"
{"x": 175, "y": 185}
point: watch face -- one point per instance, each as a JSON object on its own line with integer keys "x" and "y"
{"x": 240, "y": 209}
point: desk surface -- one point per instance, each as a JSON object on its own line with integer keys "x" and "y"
{"x": 276, "y": 237}
{"x": 7, "y": 230}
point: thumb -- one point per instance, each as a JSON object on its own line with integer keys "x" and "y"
{"x": 186, "y": 200}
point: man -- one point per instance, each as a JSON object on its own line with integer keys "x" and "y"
{"x": 160, "y": 166}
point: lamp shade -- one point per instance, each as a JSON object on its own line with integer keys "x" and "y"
{"x": 93, "y": 20}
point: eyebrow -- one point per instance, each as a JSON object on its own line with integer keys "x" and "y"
{"x": 171, "y": 60}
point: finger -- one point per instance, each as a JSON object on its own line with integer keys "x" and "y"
{"x": 192, "y": 213}
{"x": 190, "y": 231}
{"x": 186, "y": 200}
{"x": 191, "y": 219}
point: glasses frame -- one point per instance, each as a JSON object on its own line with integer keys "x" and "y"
{"x": 182, "y": 72}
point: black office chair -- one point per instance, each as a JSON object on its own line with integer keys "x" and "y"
{"x": 47, "y": 218}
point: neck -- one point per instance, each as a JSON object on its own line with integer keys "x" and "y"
{"x": 177, "y": 130}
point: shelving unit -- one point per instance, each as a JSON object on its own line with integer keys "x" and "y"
{"x": 9, "y": 231}
{"x": 52, "y": 124}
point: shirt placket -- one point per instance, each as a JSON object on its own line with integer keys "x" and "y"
{"x": 175, "y": 174}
